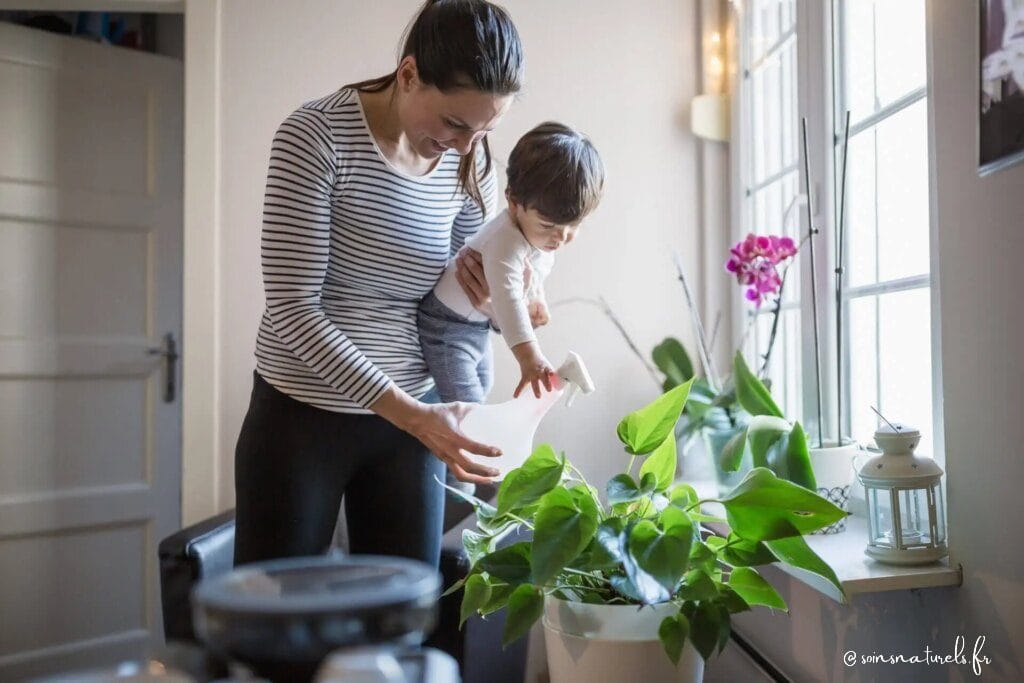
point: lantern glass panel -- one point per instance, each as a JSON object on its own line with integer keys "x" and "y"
{"x": 913, "y": 505}
{"x": 880, "y": 515}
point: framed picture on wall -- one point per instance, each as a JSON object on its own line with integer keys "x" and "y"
{"x": 1001, "y": 118}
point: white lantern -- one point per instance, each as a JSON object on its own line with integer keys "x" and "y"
{"x": 906, "y": 516}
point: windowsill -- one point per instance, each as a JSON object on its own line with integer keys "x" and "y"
{"x": 844, "y": 552}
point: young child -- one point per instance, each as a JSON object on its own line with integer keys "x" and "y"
{"x": 555, "y": 177}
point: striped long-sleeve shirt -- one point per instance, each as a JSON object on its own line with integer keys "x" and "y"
{"x": 349, "y": 247}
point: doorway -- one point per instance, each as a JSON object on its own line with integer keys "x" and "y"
{"x": 90, "y": 320}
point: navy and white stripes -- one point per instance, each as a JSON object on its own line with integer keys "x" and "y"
{"x": 350, "y": 245}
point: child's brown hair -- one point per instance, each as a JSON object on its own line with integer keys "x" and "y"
{"x": 556, "y": 171}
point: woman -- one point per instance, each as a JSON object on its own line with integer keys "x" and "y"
{"x": 370, "y": 191}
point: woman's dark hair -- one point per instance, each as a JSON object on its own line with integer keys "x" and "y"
{"x": 462, "y": 44}
{"x": 556, "y": 171}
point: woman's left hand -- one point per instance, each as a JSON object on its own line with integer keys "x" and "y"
{"x": 469, "y": 271}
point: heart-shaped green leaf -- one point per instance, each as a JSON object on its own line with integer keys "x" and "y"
{"x": 605, "y": 550}
{"x": 662, "y": 464}
{"x": 751, "y": 393}
{"x": 475, "y": 596}
{"x": 671, "y": 358}
{"x": 754, "y": 590}
{"x": 524, "y": 485}
{"x": 672, "y": 633}
{"x": 644, "y": 430}
{"x": 500, "y": 593}
{"x": 563, "y": 526}
{"x": 510, "y": 564}
{"x": 698, "y": 585}
{"x": 763, "y": 507}
{"x": 476, "y": 545}
{"x": 705, "y": 627}
{"x": 795, "y": 552}
{"x": 664, "y": 555}
{"x": 731, "y": 457}
{"x": 763, "y": 432}
{"x": 744, "y": 553}
{"x": 797, "y": 460}
{"x": 682, "y": 495}
{"x": 622, "y": 488}
{"x": 525, "y": 606}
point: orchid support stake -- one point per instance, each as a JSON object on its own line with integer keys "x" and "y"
{"x": 841, "y": 230}
{"x": 814, "y": 283}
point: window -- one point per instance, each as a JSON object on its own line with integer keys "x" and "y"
{"x": 817, "y": 60}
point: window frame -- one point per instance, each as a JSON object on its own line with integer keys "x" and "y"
{"x": 818, "y": 79}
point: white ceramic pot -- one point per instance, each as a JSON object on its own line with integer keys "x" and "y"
{"x": 834, "y": 473}
{"x": 589, "y": 643}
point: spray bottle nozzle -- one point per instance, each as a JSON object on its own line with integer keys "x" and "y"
{"x": 574, "y": 372}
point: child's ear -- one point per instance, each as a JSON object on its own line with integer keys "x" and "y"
{"x": 511, "y": 203}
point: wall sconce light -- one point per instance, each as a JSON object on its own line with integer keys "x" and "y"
{"x": 709, "y": 112}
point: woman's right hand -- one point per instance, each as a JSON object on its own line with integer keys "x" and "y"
{"x": 437, "y": 428}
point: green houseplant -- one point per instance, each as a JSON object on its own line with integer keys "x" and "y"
{"x": 647, "y": 551}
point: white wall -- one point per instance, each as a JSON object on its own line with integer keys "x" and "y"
{"x": 623, "y": 76}
{"x": 980, "y": 234}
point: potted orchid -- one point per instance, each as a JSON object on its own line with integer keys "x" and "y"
{"x": 741, "y": 425}
{"x": 635, "y": 586}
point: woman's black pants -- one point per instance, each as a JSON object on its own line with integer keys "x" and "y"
{"x": 294, "y": 463}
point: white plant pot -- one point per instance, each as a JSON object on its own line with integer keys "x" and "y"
{"x": 834, "y": 473}
{"x": 590, "y": 643}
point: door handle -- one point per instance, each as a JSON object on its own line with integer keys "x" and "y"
{"x": 169, "y": 351}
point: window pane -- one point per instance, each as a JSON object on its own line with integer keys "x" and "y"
{"x": 863, "y": 368}
{"x": 764, "y": 27}
{"x": 882, "y": 52}
{"x": 903, "y": 193}
{"x": 858, "y": 57}
{"x": 767, "y": 209}
{"x": 766, "y": 145}
{"x": 899, "y": 48}
{"x": 904, "y": 369}
{"x": 788, "y": 116}
{"x": 861, "y": 206}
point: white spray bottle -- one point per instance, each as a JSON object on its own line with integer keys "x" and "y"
{"x": 512, "y": 425}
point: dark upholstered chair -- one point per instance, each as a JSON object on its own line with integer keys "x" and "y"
{"x": 207, "y": 549}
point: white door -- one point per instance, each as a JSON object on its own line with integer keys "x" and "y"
{"x": 90, "y": 281}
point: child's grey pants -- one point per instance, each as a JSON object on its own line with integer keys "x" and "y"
{"x": 457, "y": 352}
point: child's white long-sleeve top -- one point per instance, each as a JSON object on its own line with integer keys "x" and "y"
{"x": 505, "y": 252}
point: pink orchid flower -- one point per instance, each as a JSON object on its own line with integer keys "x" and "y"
{"x": 755, "y": 262}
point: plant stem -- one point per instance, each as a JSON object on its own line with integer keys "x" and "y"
{"x": 587, "y": 574}
{"x": 520, "y": 520}
{"x": 607, "y": 310}
{"x": 775, "y": 325}
{"x": 814, "y": 281}
{"x": 702, "y": 342}
{"x": 632, "y": 461}
{"x": 701, "y": 502}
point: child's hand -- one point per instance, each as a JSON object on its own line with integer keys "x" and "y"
{"x": 535, "y": 368}
{"x": 538, "y": 314}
